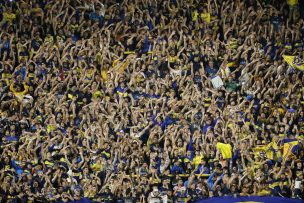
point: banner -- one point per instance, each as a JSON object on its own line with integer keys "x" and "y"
{"x": 253, "y": 199}
{"x": 294, "y": 61}
{"x": 271, "y": 151}
{"x": 263, "y": 151}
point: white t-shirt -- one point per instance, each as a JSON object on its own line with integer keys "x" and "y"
{"x": 297, "y": 184}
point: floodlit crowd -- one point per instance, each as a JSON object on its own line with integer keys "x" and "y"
{"x": 150, "y": 100}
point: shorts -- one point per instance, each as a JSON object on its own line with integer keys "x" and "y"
{"x": 293, "y": 8}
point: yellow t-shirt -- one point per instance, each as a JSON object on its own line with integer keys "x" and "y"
{"x": 206, "y": 17}
{"x": 50, "y": 128}
{"x": 207, "y": 102}
{"x": 6, "y": 77}
{"x": 155, "y": 180}
{"x": 292, "y": 2}
{"x": 96, "y": 167}
{"x": 97, "y": 94}
{"x": 9, "y": 17}
{"x": 233, "y": 44}
{"x": 89, "y": 193}
{"x": 49, "y": 39}
{"x": 90, "y": 73}
{"x": 172, "y": 59}
{"x": 104, "y": 75}
{"x": 197, "y": 160}
{"x": 194, "y": 16}
{"x": 19, "y": 95}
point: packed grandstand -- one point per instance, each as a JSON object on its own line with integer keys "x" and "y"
{"x": 151, "y": 100}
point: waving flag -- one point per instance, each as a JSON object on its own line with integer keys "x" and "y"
{"x": 271, "y": 151}
{"x": 290, "y": 147}
{"x": 294, "y": 61}
{"x": 225, "y": 150}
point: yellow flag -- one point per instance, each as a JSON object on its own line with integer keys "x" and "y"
{"x": 273, "y": 151}
{"x": 261, "y": 150}
{"x": 225, "y": 150}
{"x": 289, "y": 148}
{"x": 115, "y": 62}
{"x": 123, "y": 67}
{"x": 294, "y": 61}
{"x": 120, "y": 66}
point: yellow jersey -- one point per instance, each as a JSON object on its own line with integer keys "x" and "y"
{"x": 292, "y": 2}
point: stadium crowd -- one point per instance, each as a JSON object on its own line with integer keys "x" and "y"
{"x": 139, "y": 100}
